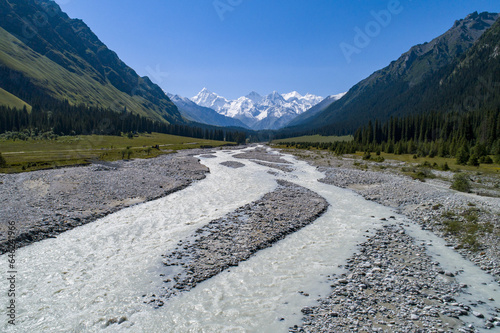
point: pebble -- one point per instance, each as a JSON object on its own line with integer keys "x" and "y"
{"x": 403, "y": 293}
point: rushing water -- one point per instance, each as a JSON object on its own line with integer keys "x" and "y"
{"x": 92, "y": 278}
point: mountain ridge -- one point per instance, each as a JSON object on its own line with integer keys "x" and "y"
{"x": 192, "y": 111}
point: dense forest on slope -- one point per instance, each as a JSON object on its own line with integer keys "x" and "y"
{"x": 454, "y": 112}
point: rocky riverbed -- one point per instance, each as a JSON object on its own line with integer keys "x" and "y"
{"x": 235, "y": 237}
{"x": 43, "y": 204}
{"x": 392, "y": 285}
{"x": 469, "y": 222}
{"x": 419, "y": 297}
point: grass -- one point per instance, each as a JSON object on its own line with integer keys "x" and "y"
{"x": 74, "y": 150}
{"x": 440, "y": 161}
{"x": 466, "y": 227}
{"x": 316, "y": 138}
{"x": 6, "y": 98}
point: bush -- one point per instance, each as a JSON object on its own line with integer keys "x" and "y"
{"x": 463, "y": 155}
{"x": 461, "y": 183}
{"x": 473, "y": 161}
{"x": 485, "y": 160}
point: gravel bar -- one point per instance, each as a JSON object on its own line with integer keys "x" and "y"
{"x": 43, "y": 204}
{"x": 391, "y": 285}
{"x": 235, "y": 237}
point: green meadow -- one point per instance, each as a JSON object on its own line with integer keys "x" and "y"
{"x": 76, "y": 150}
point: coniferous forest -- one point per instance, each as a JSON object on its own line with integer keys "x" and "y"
{"x": 61, "y": 118}
{"x": 470, "y": 137}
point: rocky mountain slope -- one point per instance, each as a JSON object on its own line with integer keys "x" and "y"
{"x": 407, "y": 85}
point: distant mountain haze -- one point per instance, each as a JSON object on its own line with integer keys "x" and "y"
{"x": 192, "y": 111}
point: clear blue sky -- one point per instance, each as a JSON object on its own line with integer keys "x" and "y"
{"x": 235, "y": 46}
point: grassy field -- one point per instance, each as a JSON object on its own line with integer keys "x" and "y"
{"x": 316, "y": 138}
{"x": 408, "y": 158}
{"x": 74, "y": 150}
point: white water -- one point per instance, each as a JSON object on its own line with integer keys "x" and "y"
{"x": 89, "y": 278}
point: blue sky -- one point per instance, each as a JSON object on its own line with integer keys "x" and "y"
{"x": 233, "y": 47}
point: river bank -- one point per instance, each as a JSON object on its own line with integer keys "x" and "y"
{"x": 202, "y": 239}
{"x": 43, "y": 204}
{"x": 234, "y": 238}
{"x": 469, "y": 223}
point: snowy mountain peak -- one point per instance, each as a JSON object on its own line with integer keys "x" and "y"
{"x": 254, "y": 97}
{"x": 275, "y": 97}
{"x": 269, "y": 112}
{"x": 292, "y": 95}
{"x": 209, "y": 99}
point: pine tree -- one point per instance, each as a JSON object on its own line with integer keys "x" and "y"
{"x": 463, "y": 155}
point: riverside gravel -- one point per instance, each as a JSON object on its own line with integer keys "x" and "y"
{"x": 235, "y": 237}
{"x": 43, "y": 204}
{"x": 391, "y": 285}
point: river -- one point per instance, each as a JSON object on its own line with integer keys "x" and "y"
{"x": 93, "y": 278}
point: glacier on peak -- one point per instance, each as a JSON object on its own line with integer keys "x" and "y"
{"x": 258, "y": 112}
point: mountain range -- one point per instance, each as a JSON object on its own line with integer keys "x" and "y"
{"x": 45, "y": 56}
{"x": 413, "y": 84}
{"x": 258, "y": 112}
{"x": 200, "y": 114}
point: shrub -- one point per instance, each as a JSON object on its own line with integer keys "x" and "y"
{"x": 461, "y": 183}
{"x": 463, "y": 155}
{"x": 486, "y": 160}
{"x": 473, "y": 161}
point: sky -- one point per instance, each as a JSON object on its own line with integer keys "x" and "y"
{"x": 233, "y": 47}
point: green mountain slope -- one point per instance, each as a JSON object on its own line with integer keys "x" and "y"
{"x": 410, "y": 85}
{"x": 46, "y": 55}
{"x": 12, "y": 101}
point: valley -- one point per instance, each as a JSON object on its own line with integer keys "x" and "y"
{"x": 133, "y": 240}
{"x": 129, "y": 207}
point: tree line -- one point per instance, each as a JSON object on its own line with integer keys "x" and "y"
{"x": 62, "y": 118}
{"x": 469, "y": 137}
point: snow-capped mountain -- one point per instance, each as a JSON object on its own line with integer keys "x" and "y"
{"x": 320, "y": 107}
{"x": 195, "y": 112}
{"x": 259, "y": 112}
